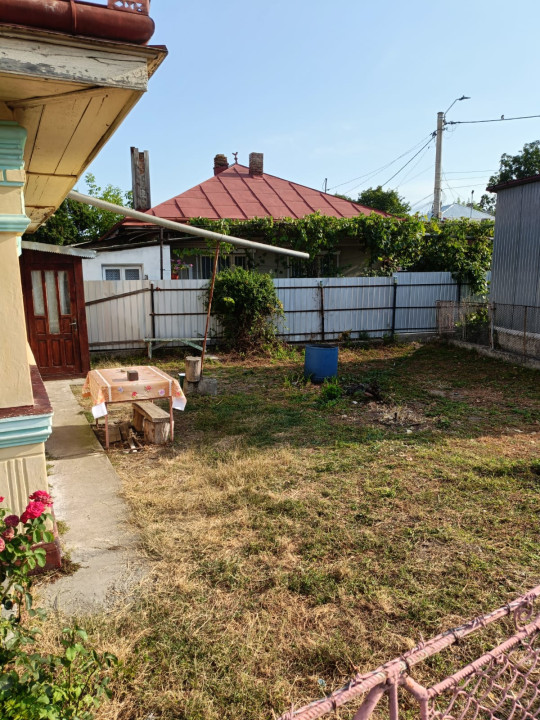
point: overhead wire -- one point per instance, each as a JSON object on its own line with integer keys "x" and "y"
{"x": 409, "y": 161}
{"x": 416, "y": 164}
{"x": 380, "y": 169}
{"x": 501, "y": 119}
{"x": 418, "y": 202}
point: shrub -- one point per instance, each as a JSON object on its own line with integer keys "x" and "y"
{"x": 34, "y": 685}
{"x": 247, "y": 307}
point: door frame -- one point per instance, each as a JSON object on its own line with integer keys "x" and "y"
{"x": 37, "y": 260}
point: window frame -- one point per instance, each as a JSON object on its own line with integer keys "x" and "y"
{"x": 122, "y": 269}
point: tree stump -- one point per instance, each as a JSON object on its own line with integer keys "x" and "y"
{"x": 193, "y": 369}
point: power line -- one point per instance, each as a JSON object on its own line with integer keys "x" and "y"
{"x": 409, "y": 161}
{"x": 380, "y": 169}
{"x": 422, "y": 200}
{"x": 458, "y": 172}
{"x": 501, "y": 119}
{"x": 416, "y": 164}
{"x": 422, "y": 172}
{"x": 468, "y": 186}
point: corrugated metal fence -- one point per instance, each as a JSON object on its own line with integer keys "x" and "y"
{"x": 121, "y": 315}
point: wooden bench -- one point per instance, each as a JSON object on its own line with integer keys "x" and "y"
{"x": 156, "y": 343}
{"x": 153, "y": 421}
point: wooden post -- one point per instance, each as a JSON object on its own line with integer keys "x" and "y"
{"x": 212, "y": 284}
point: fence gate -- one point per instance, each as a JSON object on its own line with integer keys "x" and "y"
{"x": 503, "y": 683}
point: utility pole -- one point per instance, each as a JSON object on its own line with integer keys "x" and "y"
{"x": 441, "y": 122}
{"x": 438, "y": 167}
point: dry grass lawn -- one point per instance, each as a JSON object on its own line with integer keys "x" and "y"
{"x": 300, "y": 534}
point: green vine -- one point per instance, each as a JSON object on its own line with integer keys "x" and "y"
{"x": 462, "y": 247}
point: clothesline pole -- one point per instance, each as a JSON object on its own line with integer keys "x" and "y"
{"x": 211, "y": 295}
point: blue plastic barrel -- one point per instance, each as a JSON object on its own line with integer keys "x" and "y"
{"x": 321, "y": 362}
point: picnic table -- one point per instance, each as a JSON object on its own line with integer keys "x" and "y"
{"x": 111, "y": 385}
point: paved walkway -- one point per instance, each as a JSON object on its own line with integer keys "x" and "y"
{"x": 86, "y": 490}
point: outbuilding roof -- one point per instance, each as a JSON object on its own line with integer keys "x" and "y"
{"x": 513, "y": 183}
{"x": 235, "y": 193}
{"x": 58, "y": 249}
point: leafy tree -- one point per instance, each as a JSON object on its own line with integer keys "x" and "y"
{"x": 513, "y": 167}
{"x": 487, "y": 203}
{"x": 522, "y": 165}
{"x": 386, "y": 200}
{"x": 76, "y": 222}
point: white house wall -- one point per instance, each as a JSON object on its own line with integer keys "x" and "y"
{"x": 148, "y": 257}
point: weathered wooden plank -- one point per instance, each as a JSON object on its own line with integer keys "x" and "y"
{"x": 101, "y": 112}
{"x": 150, "y": 411}
{"x": 58, "y": 122}
{"x": 31, "y": 58}
{"x": 44, "y": 190}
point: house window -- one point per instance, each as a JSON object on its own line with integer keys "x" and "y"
{"x": 326, "y": 265}
{"x": 122, "y": 272}
{"x": 204, "y": 264}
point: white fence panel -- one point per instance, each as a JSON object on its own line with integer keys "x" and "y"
{"x": 358, "y": 305}
{"x": 300, "y": 299}
{"x": 119, "y": 322}
{"x": 315, "y": 309}
{"x": 180, "y": 311}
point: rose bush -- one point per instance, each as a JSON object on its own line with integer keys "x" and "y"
{"x": 34, "y": 685}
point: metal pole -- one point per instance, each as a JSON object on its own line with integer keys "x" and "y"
{"x": 211, "y": 295}
{"x": 188, "y": 229}
{"x": 525, "y": 331}
{"x": 321, "y": 309}
{"x": 438, "y": 167}
{"x": 161, "y": 253}
{"x": 153, "y": 310}
{"x": 394, "y": 306}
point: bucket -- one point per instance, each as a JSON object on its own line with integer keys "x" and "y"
{"x": 321, "y": 362}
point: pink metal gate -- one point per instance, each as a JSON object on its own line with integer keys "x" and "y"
{"x": 502, "y": 684}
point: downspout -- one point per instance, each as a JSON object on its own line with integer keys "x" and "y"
{"x": 188, "y": 229}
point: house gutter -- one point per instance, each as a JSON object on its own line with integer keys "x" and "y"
{"x": 188, "y": 229}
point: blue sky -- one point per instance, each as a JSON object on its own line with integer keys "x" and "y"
{"x": 334, "y": 90}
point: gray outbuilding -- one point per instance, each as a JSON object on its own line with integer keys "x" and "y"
{"x": 515, "y": 277}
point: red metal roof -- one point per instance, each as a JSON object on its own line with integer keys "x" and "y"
{"x": 236, "y": 194}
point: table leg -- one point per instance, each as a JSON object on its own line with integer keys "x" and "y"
{"x": 172, "y": 418}
{"x": 107, "y": 431}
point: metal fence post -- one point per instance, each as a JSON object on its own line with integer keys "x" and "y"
{"x": 525, "y": 330}
{"x": 321, "y": 309}
{"x": 153, "y": 310}
{"x": 394, "y": 306}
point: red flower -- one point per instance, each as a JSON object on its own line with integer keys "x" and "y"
{"x": 12, "y": 520}
{"x": 2, "y": 545}
{"x": 33, "y": 510}
{"x": 42, "y": 497}
{"x": 9, "y": 534}
{"x": 2, "y": 499}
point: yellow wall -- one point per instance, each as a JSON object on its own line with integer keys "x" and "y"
{"x": 22, "y": 471}
{"x": 15, "y": 385}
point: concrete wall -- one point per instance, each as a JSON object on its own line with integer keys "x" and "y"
{"x": 148, "y": 257}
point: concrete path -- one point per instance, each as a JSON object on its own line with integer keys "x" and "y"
{"x": 86, "y": 490}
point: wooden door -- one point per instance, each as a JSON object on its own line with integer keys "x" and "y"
{"x": 52, "y": 314}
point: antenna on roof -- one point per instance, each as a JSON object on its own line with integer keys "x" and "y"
{"x": 235, "y": 158}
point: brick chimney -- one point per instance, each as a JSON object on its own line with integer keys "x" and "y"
{"x": 256, "y": 163}
{"x": 220, "y": 164}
